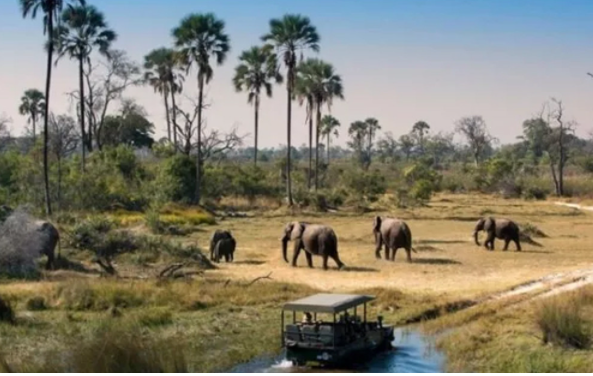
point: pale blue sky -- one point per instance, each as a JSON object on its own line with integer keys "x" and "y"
{"x": 401, "y": 61}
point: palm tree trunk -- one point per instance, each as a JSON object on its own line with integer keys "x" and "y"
{"x": 50, "y": 54}
{"x": 310, "y": 116}
{"x": 317, "y": 125}
{"x": 288, "y": 130}
{"x": 59, "y": 183}
{"x": 166, "y": 96}
{"x": 199, "y": 128}
{"x": 82, "y": 128}
{"x": 256, "y": 129}
{"x": 328, "y": 136}
{"x": 174, "y": 119}
{"x": 34, "y": 128}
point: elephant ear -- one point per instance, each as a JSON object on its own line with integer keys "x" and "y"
{"x": 377, "y": 223}
{"x": 297, "y": 230}
{"x": 489, "y": 223}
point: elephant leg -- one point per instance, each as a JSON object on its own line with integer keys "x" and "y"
{"x": 336, "y": 258}
{"x": 386, "y": 251}
{"x": 309, "y": 259}
{"x": 409, "y": 254}
{"x": 393, "y": 252}
{"x": 227, "y": 257}
{"x": 297, "y": 251}
{"x": 325, "y": 257}
{"x": 50, "y": 261}
{"x": 379, "y": 243}
{"x": 517, "y": 243}
{"x": 506, "y": 244}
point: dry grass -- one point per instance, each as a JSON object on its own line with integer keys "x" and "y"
{"x": 448, "y": 261}
{"x": 221, "y": 321}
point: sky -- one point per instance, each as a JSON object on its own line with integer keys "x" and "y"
{"x": 400, "y": 60}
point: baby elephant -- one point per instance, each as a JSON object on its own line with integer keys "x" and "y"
{"x": 222, "y": 244}
{"x": 500, "y": 228}
{"x": 392, "y": 233}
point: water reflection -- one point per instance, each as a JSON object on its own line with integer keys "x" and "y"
{"x": 413, "y": 352}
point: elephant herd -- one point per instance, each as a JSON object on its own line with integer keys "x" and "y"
{"x": 390, "y": 234}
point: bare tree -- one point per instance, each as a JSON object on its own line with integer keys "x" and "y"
{"x": 63, "y": 141}
{"x": 557, "y": 142}
{"x": 216, "y": 144}
{"x": 475, "y": 131}
{"x": 106, "y": 83}
{"x": 189, "y": 129}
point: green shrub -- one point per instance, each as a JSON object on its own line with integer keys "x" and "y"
{"x": 36, "y": 303}
{"x": 561, "y": 322}
{"x": 154, "y": 317}
{"x": 117, "y": 348}
{"x": 6, "y": 311}
{"x": 176, "y": 179}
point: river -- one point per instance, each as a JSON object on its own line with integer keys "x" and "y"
{"x": 412, "y": 352}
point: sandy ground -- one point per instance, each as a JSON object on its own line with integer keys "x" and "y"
{"x": 448, "y": 263}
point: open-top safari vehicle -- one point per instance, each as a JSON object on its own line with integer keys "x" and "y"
{"x": 344, "y": 339}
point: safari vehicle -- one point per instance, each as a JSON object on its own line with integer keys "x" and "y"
{"x": 344, "y": 339}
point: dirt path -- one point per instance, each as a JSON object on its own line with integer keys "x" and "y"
{"x": 574, "y": 206}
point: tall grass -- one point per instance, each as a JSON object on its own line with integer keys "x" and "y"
{"x": 562, "y": 321}
{"x": 6, "y": 311}
{"x": 113, "y": 348}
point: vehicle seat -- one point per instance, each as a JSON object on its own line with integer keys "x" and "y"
{"x": 309, "y": 333}
{"x": 293, "y": 333}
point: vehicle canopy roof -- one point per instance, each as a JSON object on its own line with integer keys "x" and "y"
{"x": 327, "y": 303}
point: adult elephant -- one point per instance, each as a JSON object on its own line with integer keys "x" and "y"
{"x": 217, "y": 236}
{"x": 225, "y": 248}
{"x": 314, "y": 239}
{"x": 30, "y": 236}
{"x": 500, "y": 228}
{"x": 392, "y": 233}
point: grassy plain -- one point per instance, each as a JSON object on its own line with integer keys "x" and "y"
{"x": 217, "y": 319}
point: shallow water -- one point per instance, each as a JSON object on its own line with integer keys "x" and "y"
{"x": 412, "y": 352}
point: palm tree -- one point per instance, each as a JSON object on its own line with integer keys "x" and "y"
{"x": 161, "y": 73}
{"x": 323, "y": 85}
{"x": 258, "y": 71}
{"x": 32, "y": 105}
{"x": 420, "y": 128}
{"x": 304, "y": 92}
{"x": 51, "y": 10}
{"x": 290, "y": 34}
{"x": 372, "y": 128}
{"x": 201, "y": 36}
{"x": 83, "y": 29}
{"x": 329, "y": 126}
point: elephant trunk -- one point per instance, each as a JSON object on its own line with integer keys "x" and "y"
{"x": 284, "y": 246}
{"x": 476, "y": 237}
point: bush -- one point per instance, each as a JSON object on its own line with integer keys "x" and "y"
{"x": 365, "y": 185}
{"x": 36, "y": 303}
{"x": 6, "y": 311}
{"x": 115, "y": 348}
{"x": 535, "y": 193}
{"x": 176, "y": 179}
{"x": 152, "y": 317}
{"x": 562, "y": 323}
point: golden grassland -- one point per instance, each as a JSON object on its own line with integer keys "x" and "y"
{"x": 218, "y": 320}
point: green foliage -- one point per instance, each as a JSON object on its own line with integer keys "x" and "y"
{"x": 6, "y": 311}
{"x": 421, "y": 182}
{"x": 562, "y": 322}
{"x": 176, "y": 179}
{"x": 365, "y": 185}
{"x": 36, "y": 303}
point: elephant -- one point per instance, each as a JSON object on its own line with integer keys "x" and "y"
{"x": 50, "y": 238}
{"x": 500, "y": 228}
{"x": 314, "y": 239}
{"x": 225, "y": 247}
{"x": 216, "y": 237}
{"x": 392, "y": 233}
